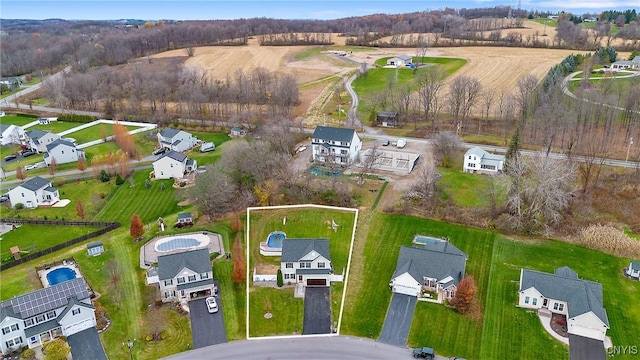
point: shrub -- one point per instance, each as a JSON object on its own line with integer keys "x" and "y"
{"x": 279, "y": 278}
{"x": 28, "y": 354}
{"x": 19, "y": 206}
{"x": 104, "y": 176}
{"x": 608, "y": 239}
{"x": 119, "y": 180}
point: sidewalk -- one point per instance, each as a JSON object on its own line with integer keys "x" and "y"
{"x": 545, "y": 319}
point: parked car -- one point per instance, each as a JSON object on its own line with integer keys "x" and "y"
{"x": 212, "y": 305}
{"x": 394, "y": 143}
{"x": 27, "y": 153}
{"x": 424, "y": 353}
{"x": 301, "y": 149}
{"x": 31, "y": 167}
{"x": 385, "y": 143}
{"x": 456, "y": 358}
{"x": 401, "y": 143}
{"x": 206, "y": 147}
{"x": 10, "y": 157}
{"x": 4, "y": 198}
{"x": 158, "y": 151}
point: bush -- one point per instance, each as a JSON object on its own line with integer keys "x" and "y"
{"x": 77, "y": 118}
{"x": 119, "y": 180}
{"x": 19, "y": 206}
{"x": 104, "y": 176}
{"x": 279, "y": 278}
{"x": 28, "y": 354}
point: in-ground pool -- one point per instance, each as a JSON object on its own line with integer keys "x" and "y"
{"x": 324, "y": 172}
{"x": 426, "y": 240}
{"x": 185, "y": 241}
{"x": 273, "y": 245}
{"x": 60, "y": 275}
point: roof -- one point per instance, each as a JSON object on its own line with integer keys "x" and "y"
{"x": 4, "y": 127}
{"x": 404, "y": 57}
{"x": 170, "y": 265}
{"x": 447, "y": 265}
{"x": 295, "y": 249}
{"x": 55, "y": 143}
{"x": 581, "y": 296}
{"x": 333, "y": 133}
{"x": 73, "y": 302}
{"x": 195, "y": 284}
{"x": 43, "y": 300}
{"x": 169, "y": 132}
{"x": 175, "y": 155}
{"x": 484, "y": 155}
{"x": 184, "y": 216}
{"x": 388, "y": 113}
{"x": 94, "y": 245}
{"x": 36, "y": 183}
{"x": 40, "y": 328}
{"x": 36, "y": 134}
{"x": 635, "y": 265}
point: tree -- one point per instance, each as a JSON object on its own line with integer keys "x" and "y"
{"x": 104, "y": 176}
{"x": 445, "y": 146}
{"x": 156, "y": 321}
{"x": 426, "y": 183}
{"x": 513, "y": 149}
{"x": 53, "y": 165}
{"x": 464, "y": 92}
{"x": 82, "y": 164}
{"x": 431, "y": 83}
{"x": 20, "y": 173}
{"x": 369, "y": 162}
{"x": 137, "y": 227}
{"x": 80, "y": 209}
{"x": 214, "y": 192}
{"x": 525, "y": 93}
{"x": 239, "y": 272}
{"x": 113, "y": 269}
{"x": 465, "y": 299}
{"x": 57, "y": 349}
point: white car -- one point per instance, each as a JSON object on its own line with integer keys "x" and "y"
{"x": 301, "y": 149}
{"x": 31, "y": 167}
{"x": 212, "y": 305}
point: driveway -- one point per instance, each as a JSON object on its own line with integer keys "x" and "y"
{"x": 317, "y": 311}
{"x": 206, "y": 329}
{"x": 583, "y": 348}
{"x": 86, "y": 345}
{"x": 398, "y": 320}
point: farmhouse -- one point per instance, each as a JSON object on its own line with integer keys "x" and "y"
{"x": 11, "y": 134}
{"x": 476, "y": 160}
{"x": 387, "y": 118}
{"x": 306, "y": 262}
{"x": 186, "y": 275}
{"x": 563, "y": 293}
{"x": 626, "y": 64}
{"x": 42, "y": 315}
{"x": 335, "y": 145}
{"x": 37, "y": 140}
{"x": 399, "y": 61}
{"x": 176, "y": 140}
{"x": 173, "y": 165}
{"x": 33, "y": 193}
{"x": 62, "y": 151}
{"x": 634, "y": 270}
{"x": 432, "y": 272}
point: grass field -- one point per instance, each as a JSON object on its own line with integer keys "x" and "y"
{"x": 467, "y": 190}
{"x": 19, "y": 120}
{"x": 56, "y": 127}
{"x": 95, "y": 132}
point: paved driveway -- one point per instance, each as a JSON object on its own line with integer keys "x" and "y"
{"x": 398, "y": 320}
{"x": 583, "y": 348}
{"x": 207, "y": 329}
{"x": 86, "y": 345}
{"x": 317, "y": 311}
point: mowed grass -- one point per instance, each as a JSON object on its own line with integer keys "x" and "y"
{"x": 56, "y": 127}
{"x": 19, "y": 120}
{"x": 149, "y": 204}
{"x": 287, "y": 312}
{"x": 467, "y": 190}
{"x": 95, "y": 132}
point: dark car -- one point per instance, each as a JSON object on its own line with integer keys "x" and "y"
{"x": 385, "y": 143}
{"x": 28, "y": 153}
{"x": 424, "y": 353}
{"x": 159, "y": 151}
{"x": 10, "y": 157}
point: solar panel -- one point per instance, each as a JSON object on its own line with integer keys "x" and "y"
{"x": 50, "y": 298}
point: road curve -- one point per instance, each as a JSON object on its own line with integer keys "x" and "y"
{"x": 570, "y": 77}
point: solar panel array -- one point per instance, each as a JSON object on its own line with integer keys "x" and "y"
{"x": 50, "y": 298}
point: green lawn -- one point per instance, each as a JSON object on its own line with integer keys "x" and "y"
{"x": 552, "y": 23}
{"x": 19, "y": 120}
{"x": 211, "y": 157}
{"x": 287, "y": 312}
{"x": 95, "y": 132}
{"x": 467, "y": 190}
{"x": 56, "y": 127}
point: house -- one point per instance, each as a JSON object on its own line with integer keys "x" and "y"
{"x": 626, "y": 64}
{"x": 237, "y": 132}
{"x": 62, "y": 151}
{"x": 634, "y": 269}
{"x": 563, "y": 293}
{"x": 33, "y": 193}
{"x": 476, "y": 160}
{"x": 185, "y": 275}
{"x": 399, "y": 61}
{"x": 173, "y": 165}
{"x": 387, "y": 118}
{"x": 37, "y": 140}
{"x": 42, "y": 315}
{"x": 432, "y": 271}
{"x": 335, "y": 145}
{"x": 11, "y": 134}
{"x": 95, "y": 248}
{"x": 176, "y": 140}
{"x": 306, "y": 262}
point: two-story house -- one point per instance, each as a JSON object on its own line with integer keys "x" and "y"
{"x": 176, "y": 140}
{"x": 45, "y": 314}
{"x": 185, "y": 275}
{"x": 306, "y": 262}
{"x": 173, "y": 165}
{"x": 564, "y": 293}
{"x": 62, "y": 151}
{"x": 11, "y": 134}
{"x": 335, "y": 145}
{"x": 476, "y": 160}
{"x": 33, "y": 193}
{"x": 37, "y": 140}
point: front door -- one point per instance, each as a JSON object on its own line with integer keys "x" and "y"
{"x": 299, "y": 278}
{"x": 544, "y": 302}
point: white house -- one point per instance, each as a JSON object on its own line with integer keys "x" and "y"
{"x": 306, "y": 262}
{"x": 176, "y": 140}
{"x": 563, "y": 293}
{"x": 11, "y": 134}
{"x": 45, "y": 314}
{"x": 335, "y": 145}
{"x": 476, "y": 160}
{"x": 185, "y": 275}
{"x": 399, "y": 61}
{"x": 37, "y": 140}
{"x": 634, "y": 269}
{"x": 63, "y": 152}
{"x": 173, "y": 165}
{"x": 431, "y": 271}
{"x": 627, "y": 64}
{"x": 33, "y": 193}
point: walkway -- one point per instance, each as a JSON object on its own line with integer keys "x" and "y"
{"x": 545, "y": 319}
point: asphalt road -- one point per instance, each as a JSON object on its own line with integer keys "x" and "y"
{"x": 317, "y": 311}
{"x": 206, "y": 329}
{"x": 398, "y": 320}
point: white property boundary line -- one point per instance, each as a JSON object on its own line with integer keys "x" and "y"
{"x": 346, "y": 278}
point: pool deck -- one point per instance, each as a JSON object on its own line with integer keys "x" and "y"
{"x": 42, "y": 274}
{"x": 149, "y": 254}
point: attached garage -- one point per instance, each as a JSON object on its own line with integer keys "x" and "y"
{"x": 77, "y": 327}
{"x": 316, "y": 282}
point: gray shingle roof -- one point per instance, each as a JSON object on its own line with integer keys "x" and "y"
{"x": 580, "y": 295}
{"x": 184, "y": 216}
{"x": 404, "y": 57}
{"x": 72, "y": 302}
{"x": 635, "y": 265}
{"x": 36, "y": 183}
{"x": 195, "y": 284}
{"x": 55, "y": 143}
{"x": 36, "y": 134}
{"x": 295, "y": 249}
{"x": 333, "y": 133}
{"x": 170, "y": 265}
{"x": 94, "y": 244}
{"x": 421, "y": 262}
{"x": 169, "y": 132}
{"x": 4, "y": 127}
{"x": 40, "y": 328}
{"x": 175, "y": 155}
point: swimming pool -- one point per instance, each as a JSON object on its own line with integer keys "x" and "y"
{"x": 60, "y": 275}
{"x": 275, "y": 239}
{"x": 426, "y": 240}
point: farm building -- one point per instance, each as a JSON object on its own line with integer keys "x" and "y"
{"x": 387, "y": 118}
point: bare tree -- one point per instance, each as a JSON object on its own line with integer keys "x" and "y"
{"x": 524, "y": 93}
{"x": 431, "y": 82}
{"x": 370, "y": 161}
{"x": 427, "y": 181}
{"x": 214, "y": 192}
{"x": 463, "y": 95}
{"x": 445, "y": 146}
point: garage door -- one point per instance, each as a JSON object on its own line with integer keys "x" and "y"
{"x": 77, "y": 327}
{"x": 316, "y": 282}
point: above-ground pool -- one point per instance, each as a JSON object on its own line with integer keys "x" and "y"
{"x": 60, "y": 275}
{"x": 324, "y": 172}
{"x": 186, "y": 241}
{"x": 425, "y": 240}
{"x": 273, "y": 245}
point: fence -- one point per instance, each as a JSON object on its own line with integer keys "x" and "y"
{"x": 108, "y": 226}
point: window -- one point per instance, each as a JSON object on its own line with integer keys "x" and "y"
{"x": 168, "y": 282}
{"x": 180, "y": 280}
{"x": 469, "y": 157}
{"x": 305, "y": 265}
{"x": 560, "y": 307}
{"x": 168, "y": 294}
{"x": 192, "y": 278}
{"x": 6, "y": 330}
{"x": 28, "y": 322}
{"x": 555, "y": 306}
{"x": 343, "y": 152}
{"x": 289, "y": 276}
{"x": 14, "y": 342}
{"x": 51, "y": 315}
{"x": 534, "y": 301}
{"x": 171, "y": 165}
{"x": 75, "y": 311}
{"x": 526, "y": 299}
{"x": 204, "y": 276}
{"x": 320, "y": 265}
{"x": 40, "y": 318}
{"x": 289, "y": 266}
{"x": 488, "y": 167}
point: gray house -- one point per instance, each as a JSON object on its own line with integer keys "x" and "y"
{"x": 37, "y": 140}
{"x": 306, "y": 262}
{"x": 176, "y": 140}
{"x": 186, "y": 275}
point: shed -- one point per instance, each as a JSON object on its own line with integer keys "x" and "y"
{"x": 185, "y": 218}
{"x": 387, "y": 118}
{"x": 95, "y": 248}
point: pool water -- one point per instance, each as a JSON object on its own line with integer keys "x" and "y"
{"x": 177, "y": 243}
{"x": 275, "y": 239}
{"x": 419, "y": 239}
{"x": 61, "y": 275}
